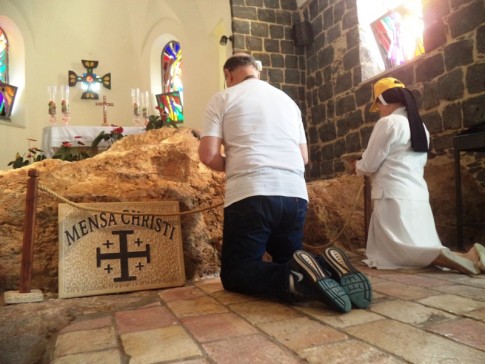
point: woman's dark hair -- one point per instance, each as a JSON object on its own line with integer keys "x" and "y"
{"x": 419, "y": 142}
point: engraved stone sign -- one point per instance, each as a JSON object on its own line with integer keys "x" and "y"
{"x": 108, "y": 252}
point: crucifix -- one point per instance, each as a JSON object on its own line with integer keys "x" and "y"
{"x": 105, "y": 110}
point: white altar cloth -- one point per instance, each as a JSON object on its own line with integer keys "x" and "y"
{"x": 54, "y": 136}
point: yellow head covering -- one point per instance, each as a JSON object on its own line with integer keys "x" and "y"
{"x": 382, "y": 85}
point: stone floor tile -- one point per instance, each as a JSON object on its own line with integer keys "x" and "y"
{"x": 180, "y": 293}
{"x": 476, "y": 314}
{"x": 474, "y": 281}
{"x": 377, "y": 297}
{"x": 414, "y": 345}
{"x": 415, "y": 280}
{"x": 85, "y": 341}
{"x": 112, "y": 356}
{"x": 402, "y": 291}
{"x": 465, "y": 291}
{"x": 302, "y": 332}
{"x": 88, "y": 324}
{"x": 338, "y": 320}
{"x": 410, "y": 312}
{"x": 217, "y": 326}
{"x": 210, "y": 285}
{"x": 466, "y": 331}
{"x": 250, "y": 349}
{"x": 382, "y": 273}
{"x": 228, "y": 298}
{"x": 345, "y": 352}
{"x": 452, "y": 303}
{"x": 259, "y": 312}
{"x": 158, "y": 345}
{"x": 445, "y": 275}
{"x": 196, "y": 307}
{"x": 144, "y": 319}
{"x": 377, "y": 280}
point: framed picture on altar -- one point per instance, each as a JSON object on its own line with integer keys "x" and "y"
{"x": 7, "y": 99}
{"x": 171, "y": 104}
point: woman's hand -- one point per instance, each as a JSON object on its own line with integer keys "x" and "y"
{"x": 353, "y": 166}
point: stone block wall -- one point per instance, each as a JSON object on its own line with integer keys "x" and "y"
{"x": 263, "y": 28}
{"x": 326, "y": 77}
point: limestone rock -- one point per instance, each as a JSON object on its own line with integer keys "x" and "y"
{"x": 157, "y": 165}
{"x": 162, "y": 165}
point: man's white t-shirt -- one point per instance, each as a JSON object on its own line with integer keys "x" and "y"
{"x": 261, "y": 130}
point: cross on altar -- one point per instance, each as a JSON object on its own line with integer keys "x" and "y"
{"x": 105, "y": 110}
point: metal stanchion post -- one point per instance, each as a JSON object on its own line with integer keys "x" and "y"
{"x": 367, "y": 205}
{"x": 25, "y": 294}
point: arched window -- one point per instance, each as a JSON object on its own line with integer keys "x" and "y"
{"x": 172, "y": 67}
{"x": 392, "y": 33}
{"x": 3, "y": 56}
{"x": 172, "y": 86}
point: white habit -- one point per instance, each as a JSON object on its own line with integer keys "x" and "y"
{"x": 402, "y": 232}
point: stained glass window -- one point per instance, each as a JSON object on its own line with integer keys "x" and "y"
{"x": 399, "y": 34}
{"x": 3, "y": 56}
{"x": 172, "y": 67}
{"x": 172, "y": 86}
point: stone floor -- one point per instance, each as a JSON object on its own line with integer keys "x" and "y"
{"x": 420, "y": 316}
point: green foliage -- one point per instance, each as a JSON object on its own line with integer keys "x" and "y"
{"x": 112, "y": 136}
{"x": 33, "y": 155}
{"x": 71, "y": 154}
{"x": 156, "y": 122}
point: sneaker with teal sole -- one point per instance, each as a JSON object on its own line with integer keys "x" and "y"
{"x": 356, "y": 284}
{"x": 329, "y": 291}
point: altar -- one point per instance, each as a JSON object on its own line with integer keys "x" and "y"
{"x": 54, "y": 135}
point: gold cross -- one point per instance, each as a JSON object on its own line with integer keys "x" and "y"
{"x": 105, "y": 110}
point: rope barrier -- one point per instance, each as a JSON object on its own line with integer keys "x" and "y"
{"x": 315, "y": 248}
{"x": 93, "y": 209}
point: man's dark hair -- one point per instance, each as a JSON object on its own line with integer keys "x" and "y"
{"x": 240, "y": 61}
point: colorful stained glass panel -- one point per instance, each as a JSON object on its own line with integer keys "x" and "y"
{"x": 171, "y": 104}
{"x": 3, "y": 57}
{"x": 7, "y": 98}
{"x": 399, "y": 35}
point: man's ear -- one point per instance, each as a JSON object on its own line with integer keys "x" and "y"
{"x": 227, "y": 74}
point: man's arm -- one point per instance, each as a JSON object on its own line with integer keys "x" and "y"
{"x": 210, "y": 153}
{"x": 304, "y": 153}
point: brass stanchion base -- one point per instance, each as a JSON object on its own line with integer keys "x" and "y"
{"x": 34, "y": 295}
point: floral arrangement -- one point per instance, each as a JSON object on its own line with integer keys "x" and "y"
{"x": 114, "y": 135}
{"x": 52, "y": 108}
{"x": 71, "y": 151}
{"x": 157, "y": 122}
{"x": 33, "y": 155}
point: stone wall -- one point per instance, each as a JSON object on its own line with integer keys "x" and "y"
{"x": 326, "y": 77}
{"x": 263, "y": 28}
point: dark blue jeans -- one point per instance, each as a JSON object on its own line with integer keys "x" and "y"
{"x": 256, "y": 225}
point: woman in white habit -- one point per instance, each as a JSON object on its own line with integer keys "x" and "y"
{"x": 402, "y": 232}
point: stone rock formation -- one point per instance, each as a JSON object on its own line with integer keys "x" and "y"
{"x": 163, "y": 165}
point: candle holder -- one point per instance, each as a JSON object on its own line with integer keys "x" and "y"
{"x": 52, "y": 92}
{"x": 135, "y": 99}
{"x": 145, "y": 105}
{"x": 65, "y": 105}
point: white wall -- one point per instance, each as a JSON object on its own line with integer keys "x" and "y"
{"x": 51, "y": 37}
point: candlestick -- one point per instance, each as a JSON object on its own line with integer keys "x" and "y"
{"x": 52, "y": 91}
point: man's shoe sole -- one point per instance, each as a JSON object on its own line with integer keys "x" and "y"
{"x": 356, "y": 284}
{"x": 330, "y": 291}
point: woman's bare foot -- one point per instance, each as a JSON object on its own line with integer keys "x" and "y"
{"x": 455, "y": 261}
{"x": 480, "y": 253}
